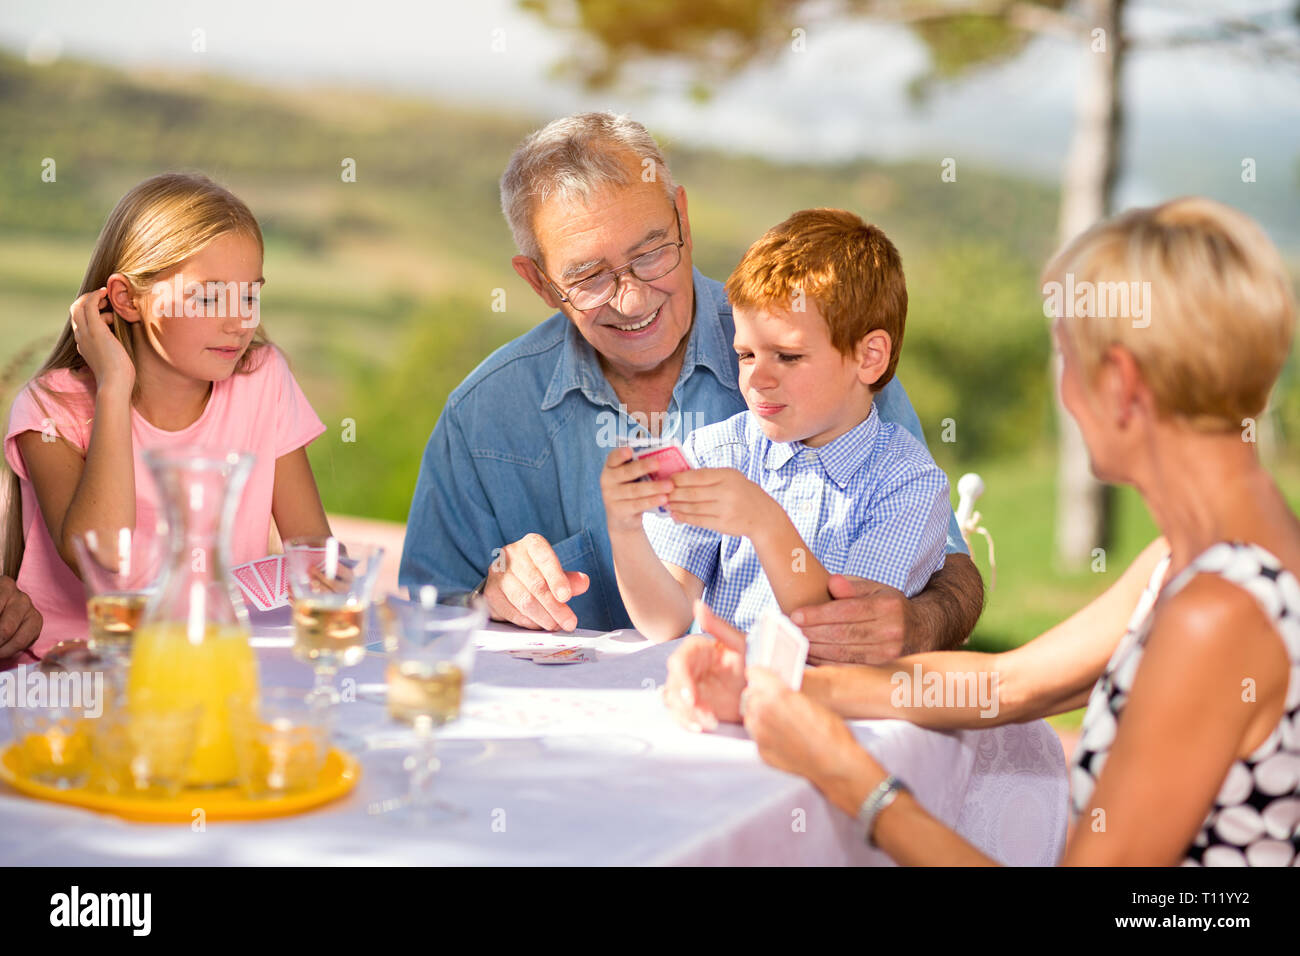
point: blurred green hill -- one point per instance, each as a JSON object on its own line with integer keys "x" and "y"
{"x": 381, "y": 290}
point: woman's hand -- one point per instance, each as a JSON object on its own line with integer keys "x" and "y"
{"x": 97, "y": 344}
{"x": 796, "y": 734}
{"x": 707, "y": 674}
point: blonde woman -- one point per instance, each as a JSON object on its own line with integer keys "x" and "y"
{"x": 163, "y": 347}
{"x": 1190, "y": 663}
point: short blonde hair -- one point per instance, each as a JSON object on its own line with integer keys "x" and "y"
{"x": 849, "y": 268}
{"x": 1220, "y": 310}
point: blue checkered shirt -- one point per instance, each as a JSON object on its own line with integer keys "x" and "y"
{"x": 872, "y": 504}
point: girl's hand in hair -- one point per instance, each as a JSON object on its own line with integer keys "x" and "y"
{"x": 97, "y": 344}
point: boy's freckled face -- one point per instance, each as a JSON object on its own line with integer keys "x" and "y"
{"x": 208, "y": 345}
{"x": 800, "y": 387}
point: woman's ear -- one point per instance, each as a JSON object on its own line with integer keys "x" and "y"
{"x": 121, "y": 297}
{"x": 872, "y": 355}
{"x": 1125, "y": 390}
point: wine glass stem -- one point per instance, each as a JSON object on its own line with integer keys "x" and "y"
{"x": 422, "y": 770}
{"x": 323, "y": 688}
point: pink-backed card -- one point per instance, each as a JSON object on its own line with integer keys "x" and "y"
{"x": 268, "y": 572}
{"x": 251, "y": 586}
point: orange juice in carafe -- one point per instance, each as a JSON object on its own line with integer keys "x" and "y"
{"x": 192, "y": 646}
{"x": 170, "y": 668}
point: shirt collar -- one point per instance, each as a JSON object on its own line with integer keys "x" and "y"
{"x": 841, "y": 459}
{"x": 707, "y": 346}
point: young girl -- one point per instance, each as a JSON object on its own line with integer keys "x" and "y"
{"x": 162, "y": 348}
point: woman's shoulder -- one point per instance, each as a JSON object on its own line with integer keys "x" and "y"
{"x": 61, "y": 395}
{"x": 263, "y": 375}
{"x": 263, "y": 360}
{"x": 1228, "y": 624}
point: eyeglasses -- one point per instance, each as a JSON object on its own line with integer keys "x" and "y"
{"x": 595, "y": 291}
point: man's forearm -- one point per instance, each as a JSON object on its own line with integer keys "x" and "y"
{"x": 943, "y": 615}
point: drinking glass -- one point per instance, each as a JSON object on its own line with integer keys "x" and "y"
{"x": 430, "y": 655}
{"x": 281, "y": 740}
{"x": 120, "y": 568}
{"x": 144, "y": 747}
{"x": 331, "y": 584}
{"x": 52, "y": 743}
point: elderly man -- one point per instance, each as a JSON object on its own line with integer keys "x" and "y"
{"x": 508, "y": 499}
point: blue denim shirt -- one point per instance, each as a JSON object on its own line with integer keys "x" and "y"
{"x": 521, "y": 442}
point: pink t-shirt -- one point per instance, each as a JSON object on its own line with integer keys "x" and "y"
{"x": 263, "y": 412}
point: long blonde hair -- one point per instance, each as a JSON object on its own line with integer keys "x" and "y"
{"x": 155, "y": 227}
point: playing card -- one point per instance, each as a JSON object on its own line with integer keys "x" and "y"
{"x": 268, "y": 572}
{"x": 573, "y": 654}
{"x": 780, "y": 646}
{"x": 565, "y": 655}
{"x": 669, "y": 457}
{"x": 251, "y": 586}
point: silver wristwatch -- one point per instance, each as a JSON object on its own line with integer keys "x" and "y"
{"x": 885, "y": 793}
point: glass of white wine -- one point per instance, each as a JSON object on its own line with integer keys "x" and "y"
{"x": 430, "y": 651}
{"x": 331, "y": 583}
{"x": 120, "y": 568}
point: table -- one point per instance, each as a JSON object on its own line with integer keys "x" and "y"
{"x": 580, "y": 764}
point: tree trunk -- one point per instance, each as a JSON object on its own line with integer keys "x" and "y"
{"x": 1083, "y": 505}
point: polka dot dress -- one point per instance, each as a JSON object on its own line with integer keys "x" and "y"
{"x": 1255, "y": 819}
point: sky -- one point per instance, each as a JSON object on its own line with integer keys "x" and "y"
{"x": 1193, "y": 114}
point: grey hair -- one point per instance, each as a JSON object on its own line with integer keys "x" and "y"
{"x": 570, "y": 158}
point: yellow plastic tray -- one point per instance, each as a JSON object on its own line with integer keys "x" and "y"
{"x": 339, "y": 775}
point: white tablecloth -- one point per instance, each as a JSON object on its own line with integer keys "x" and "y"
{"x": 580, "y": 765}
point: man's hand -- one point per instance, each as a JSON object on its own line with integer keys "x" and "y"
{"x": 721, "y": 500}
{"x": 527, "y": 586}
{"x": 869, "y": 622}
{"x": 865, "y": 624}
{"x": 20, "y": 622}
{"x": 707, "y": 674}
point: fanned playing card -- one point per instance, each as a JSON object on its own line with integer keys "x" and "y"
{"x": 250, "y": 586}
{"x": 264, "y": 582}
{"x": 777, "y": 644}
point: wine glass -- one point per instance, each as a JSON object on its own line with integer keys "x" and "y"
{"x": 120, "y": 568}
{"x": 331, "y": 584}
{"x": 430, "y": 654}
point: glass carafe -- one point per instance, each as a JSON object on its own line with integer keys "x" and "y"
{"x": 192, "y": 646}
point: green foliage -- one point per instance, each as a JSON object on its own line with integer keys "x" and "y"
{"x": 393, "y": 408}
{"x": 976, "y": 350}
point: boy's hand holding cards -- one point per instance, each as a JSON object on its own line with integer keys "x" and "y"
{"x": 778, "y": 645}
{"x": 622, "y": 482}
{"x": 669, "y": 458}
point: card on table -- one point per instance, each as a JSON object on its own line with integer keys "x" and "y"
{"x": 539, "y": 654}
{"x": 778, "y": 644}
